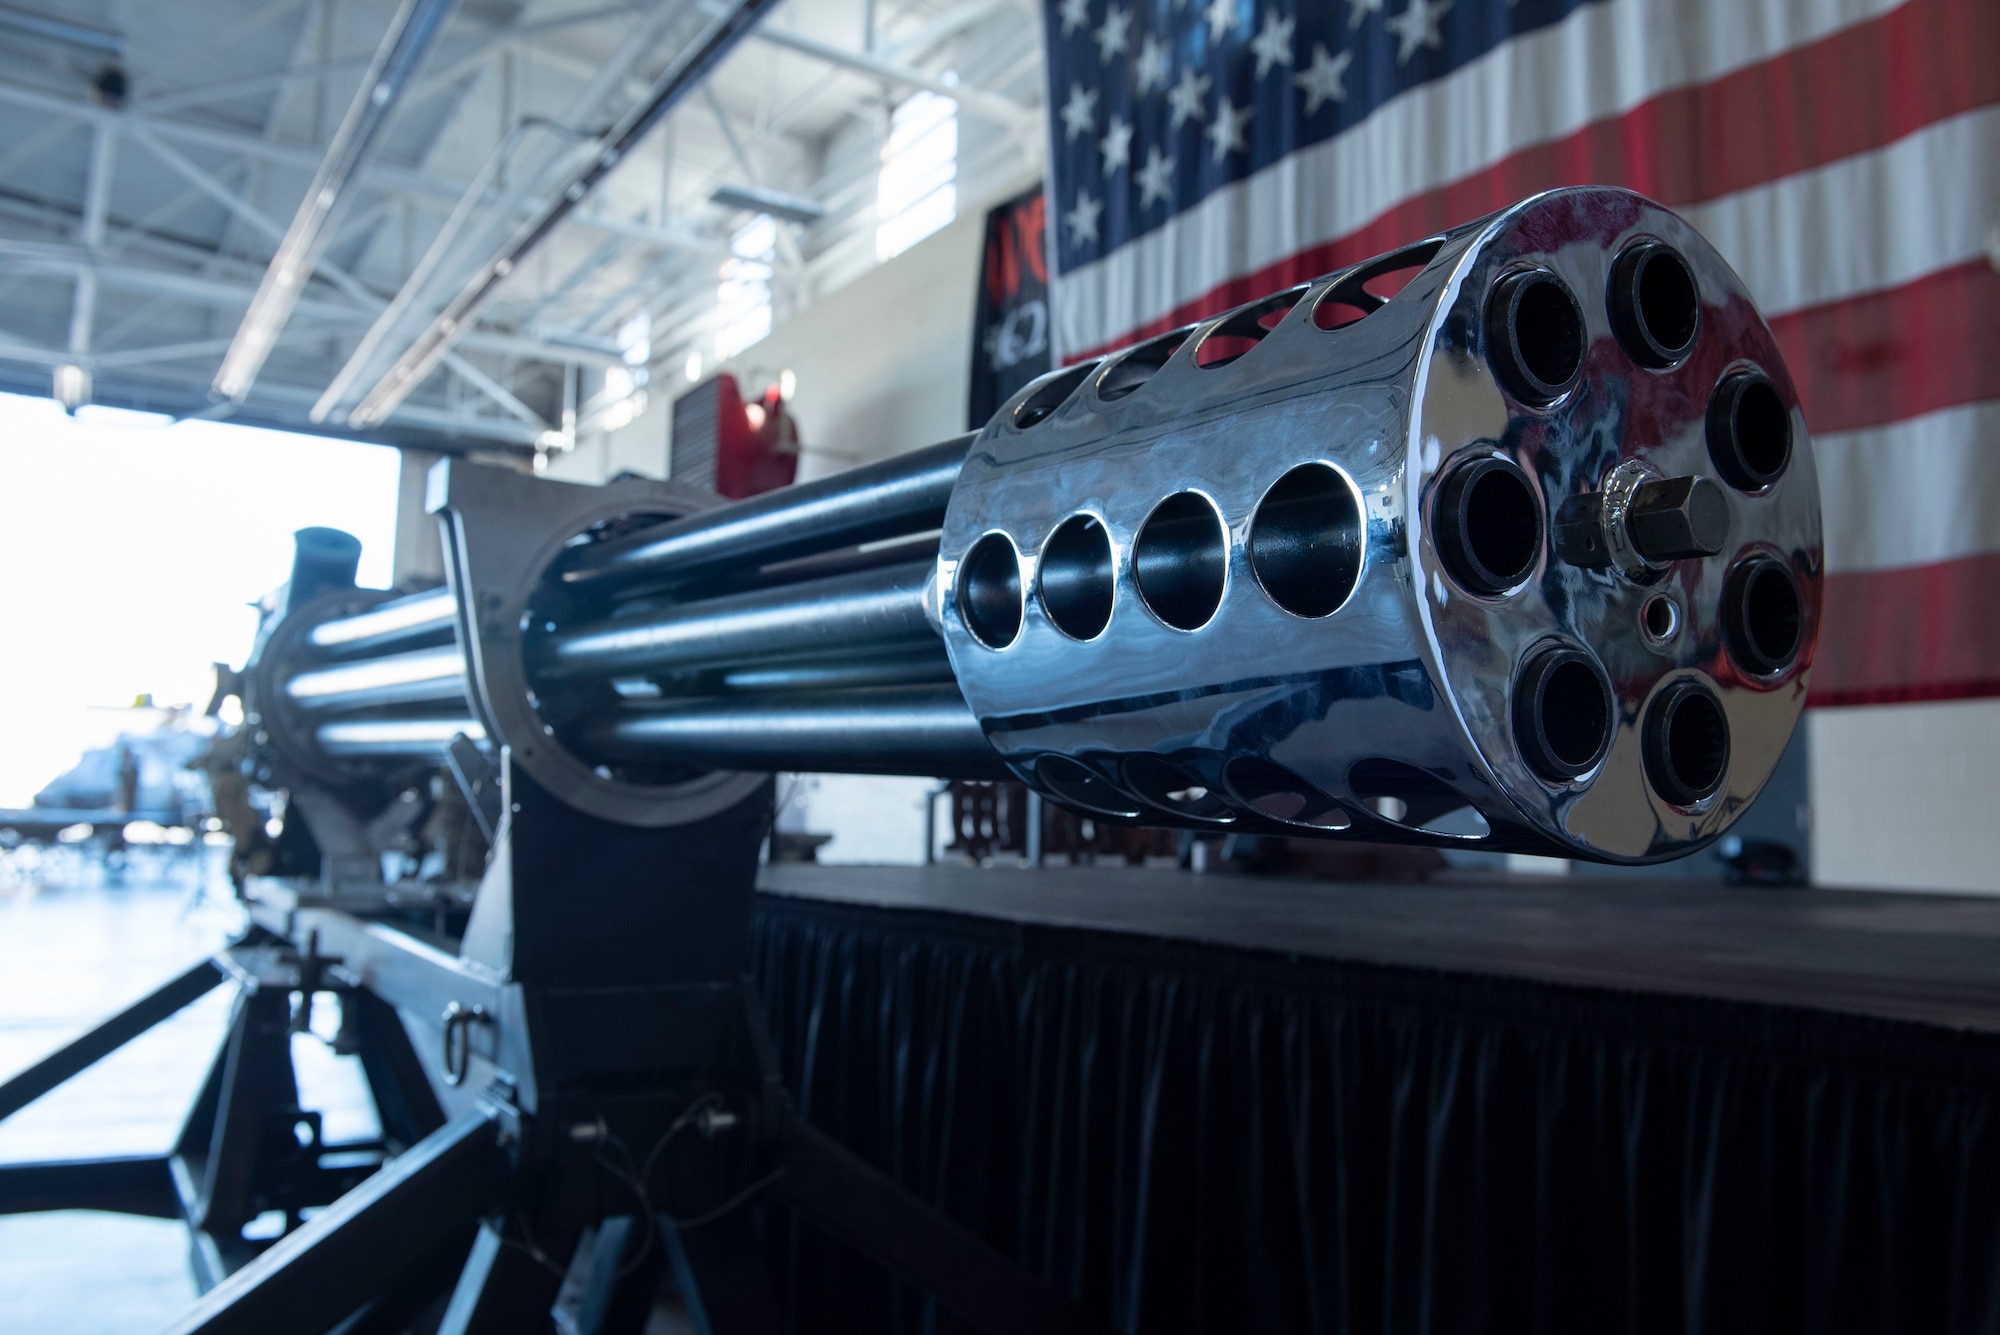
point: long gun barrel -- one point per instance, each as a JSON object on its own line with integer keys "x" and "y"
{"x": 1509, "y": 539}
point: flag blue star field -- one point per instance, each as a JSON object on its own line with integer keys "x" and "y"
{"x": 1844, "y": 155}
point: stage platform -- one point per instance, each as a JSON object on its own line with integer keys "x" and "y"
{"x": 1219, "y": 1103}
{"x": 1928, "y": 958}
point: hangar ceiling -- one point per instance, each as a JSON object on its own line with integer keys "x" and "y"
{"x": 153, "y": 158}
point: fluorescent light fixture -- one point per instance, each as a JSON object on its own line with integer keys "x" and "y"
{"x": 777, "y": 203}
{"x": 71, "y": 387}
{"x": 680, "y": 78}
{"x": 409, "y": 36}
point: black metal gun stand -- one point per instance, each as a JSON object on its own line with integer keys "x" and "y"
{"x": 607, "y": 1096}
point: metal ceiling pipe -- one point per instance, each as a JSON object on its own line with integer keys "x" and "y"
{"x": 867, "y": 612}
{"x": 405, "y": 43}
{"x": 909, "y": 730}
{"x": 906, "y": 494}
{"x": 685, "y": 75}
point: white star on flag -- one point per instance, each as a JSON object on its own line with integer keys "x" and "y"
{"x": 1325, "y": 79}
{"x": 1114, "y": 37}
{"x": 1357, "y": 11}
{"x": 1226, "y": 133}
{"x": 1079, "y": 114}
{"x": 1187, "y": 97}
{"x": 1156, "y": 178}
{"x": 1117, "y": 145}
{"x": 1418, "y": 26}
{"x": 1076, "y": 14}
{"x": 1082, "y": 219}
{"x": 1152, "y": 67}
{"x": 1221, "y": 18}
{"x": 1273, "y": 46}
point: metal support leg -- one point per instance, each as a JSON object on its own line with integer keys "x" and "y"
{"x": 258, "y": 1094}
{"x": 108, "y": 1037}
{"x": 399, "y": 1223}
{"x": 404, "y": 1101}
{"x": 621, "y": 1277}
{"x": 503, "y": 1289}
{"x": 720, "y": 1271}
{"x": 143, "y": 1185}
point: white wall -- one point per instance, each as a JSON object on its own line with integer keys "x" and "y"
{"x": 1907, "y": 796}
{"x": 885, "y": 364}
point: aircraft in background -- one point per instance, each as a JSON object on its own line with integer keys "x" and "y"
{"x": 143, "y": 776}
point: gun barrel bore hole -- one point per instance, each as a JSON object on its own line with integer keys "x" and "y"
{"x": 1489, "y": 529}
{"x": 1686, "y": 744}
{"x": 1749, "y": 431}
{"x": 1180, "y": 560}
{"x": 1305, "y": 540}
{"x": 989, "y": 591}
{"x": 1763, "y": 616}
{"x": 1655, "y": 305}
{"x": 1074, "y": 577}
{"x": 1535, "y": 336}
{"x": 1562, "y": 714}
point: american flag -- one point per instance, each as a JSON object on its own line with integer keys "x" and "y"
{"x": 1844, "y": 155}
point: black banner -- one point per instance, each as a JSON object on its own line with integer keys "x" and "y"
{"x": 1013, "y": 319}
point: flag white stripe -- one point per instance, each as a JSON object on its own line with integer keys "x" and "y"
{"x": 1913, "y": 492}
{"x": 1599, "y": 62}
{"x": 1872, "y": 221}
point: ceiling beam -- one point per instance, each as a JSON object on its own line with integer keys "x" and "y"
{"x": 301, "y": 249}
{"x": 431, "y": 190}
{"x": 686, "y": 72}
{"x": 1001, "y": 110}
{"x": 66, "y": 260}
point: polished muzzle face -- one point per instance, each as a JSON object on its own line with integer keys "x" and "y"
{"x": 1524, "y": 556}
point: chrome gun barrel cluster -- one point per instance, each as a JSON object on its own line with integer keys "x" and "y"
{"x": 1506, "y": 540}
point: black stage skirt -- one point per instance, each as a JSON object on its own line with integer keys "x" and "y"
{"x": 1404, "y": 1109}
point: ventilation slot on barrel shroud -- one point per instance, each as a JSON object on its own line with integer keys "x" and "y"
{"x": 989, "y": 591}
{"x": 1133, "y": 369}
{"x": 1271, "y": 790}
{"x": 1080, "y": 786}
{"x": 1175, "y": 788}
{"x": 1050, "y": 393}
{"x": 1305, "y": 540}
{"x": 1366, "y": 289}
{"x": 1405, "y": 795}
{"x": 1180, "y": 560}
{"x": 1074, "y": 578}
{"x": 1244, "y": 329}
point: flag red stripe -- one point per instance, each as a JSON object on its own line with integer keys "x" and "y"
{"x": 1913, "y": 633}
{"x": 1857, "y": 90}
{"x": 1886, "y": 356}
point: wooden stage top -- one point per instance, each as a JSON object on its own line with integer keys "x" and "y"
{"x": 1928, "y": 958}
